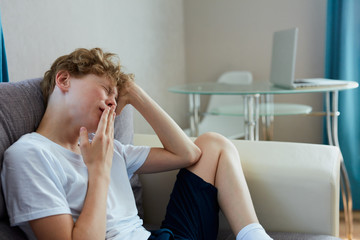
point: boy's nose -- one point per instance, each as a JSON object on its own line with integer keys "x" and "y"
{"x": 111, "y": 102}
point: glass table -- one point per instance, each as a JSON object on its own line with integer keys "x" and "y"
{"x": 251, "y": 110}
{"x": 267, "y": 111}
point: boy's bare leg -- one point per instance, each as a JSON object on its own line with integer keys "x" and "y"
{"x": 220, "y": 166}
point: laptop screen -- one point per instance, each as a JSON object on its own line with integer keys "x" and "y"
{"x": 283, "y": 57}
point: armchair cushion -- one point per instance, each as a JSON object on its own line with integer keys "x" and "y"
{"x": 21, "y": 109}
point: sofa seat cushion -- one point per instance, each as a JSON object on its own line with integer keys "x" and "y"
{"x": 300, "y": 236}
{"x": 228, "y": 235}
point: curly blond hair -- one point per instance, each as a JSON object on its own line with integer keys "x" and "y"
{"x": 82, "y": 62}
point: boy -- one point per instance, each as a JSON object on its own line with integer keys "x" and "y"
{"x": 67, "y": 186}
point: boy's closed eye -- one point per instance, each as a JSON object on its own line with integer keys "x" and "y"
{"x": 107, "y": 89}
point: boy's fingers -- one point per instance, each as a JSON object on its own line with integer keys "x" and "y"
{"x": 111, "y": 119}
{"x": 113, "y": 125}
{"x": 103, "y": 121}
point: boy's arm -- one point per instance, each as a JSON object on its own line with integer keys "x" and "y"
{"x": 179, "y": 151}
{"x": 91, "y": 223}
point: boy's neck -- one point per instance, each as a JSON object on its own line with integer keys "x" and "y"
{"x": 53, "y": 129}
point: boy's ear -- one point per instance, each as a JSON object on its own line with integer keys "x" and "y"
{"x": 62, "y": 80}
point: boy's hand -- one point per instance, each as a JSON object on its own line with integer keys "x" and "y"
{"x": 126, "y": 95}
{"x": 98, "y": 154}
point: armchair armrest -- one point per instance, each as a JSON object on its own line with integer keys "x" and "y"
{"x": 294, "y": 186}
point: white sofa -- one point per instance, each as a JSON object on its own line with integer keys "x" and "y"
{"x": 294, "y": 186}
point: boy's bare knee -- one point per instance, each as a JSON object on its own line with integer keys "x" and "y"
{"x": 212, "y": 140}
{"x": 210, "y": 137}
{"x": 215, "y": 145}
{"x": 215, "y": 149}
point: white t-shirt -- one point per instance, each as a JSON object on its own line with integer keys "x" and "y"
{"x": 41, "y": 178}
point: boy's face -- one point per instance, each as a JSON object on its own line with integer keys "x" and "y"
{"x": 89, "y": 97}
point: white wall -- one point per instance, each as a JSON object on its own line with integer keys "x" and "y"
{"x": 237, "y": 35}
{"x": 147, "y": 35}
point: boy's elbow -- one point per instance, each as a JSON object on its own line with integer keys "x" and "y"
{"x": 194, "y": 155}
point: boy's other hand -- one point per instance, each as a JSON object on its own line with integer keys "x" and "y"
{"x": 127, "y": 95}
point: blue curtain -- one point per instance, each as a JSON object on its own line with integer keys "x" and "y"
{"x": 4, "y": 76}
{"x": 343, "y": 62}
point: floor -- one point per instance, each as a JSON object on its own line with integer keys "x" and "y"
{"x": 356, "y": 226}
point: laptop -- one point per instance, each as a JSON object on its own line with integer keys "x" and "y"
{"x": 283, "y": 63}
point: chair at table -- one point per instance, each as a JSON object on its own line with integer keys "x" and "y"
{"x": 225, "y": 113}
{"x": 229, "y": 126}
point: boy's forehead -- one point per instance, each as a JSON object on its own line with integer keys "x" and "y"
{"x": 107, "y": 80}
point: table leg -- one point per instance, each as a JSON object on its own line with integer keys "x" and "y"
{"x": 268, "y": 117}
{"x": 194, "y": 110}
{"x": 256, "y": 116}
{"x": 332, "y": 131}
{"x": 246, "y": 118}
{"x": 251, "y": 117}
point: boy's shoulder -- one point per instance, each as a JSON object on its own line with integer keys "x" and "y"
{"x": 27, "y": 144}
{"x": 27, "y": 141}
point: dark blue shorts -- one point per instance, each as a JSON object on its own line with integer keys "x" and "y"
{"x": 192, "y": 212}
